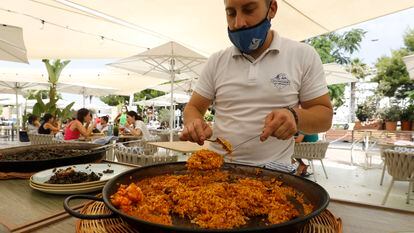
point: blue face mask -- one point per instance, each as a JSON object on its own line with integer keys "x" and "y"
{"x": 249, "y": 39}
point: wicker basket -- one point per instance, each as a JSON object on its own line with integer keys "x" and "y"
{"x": 326, "y": 222}
{"x": 37, "y": 139}
{"x": 141, "y": 153}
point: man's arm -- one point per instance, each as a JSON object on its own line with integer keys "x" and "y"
{"x": 195, "y": 128}
{"x": 315, "y": 115}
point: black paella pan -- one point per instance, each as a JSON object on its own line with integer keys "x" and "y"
{"x": 314, "y": 194}
{"x": 33, "y": 158}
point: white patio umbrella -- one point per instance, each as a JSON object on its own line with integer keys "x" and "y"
{"x": 17, "y": 88}
{"x": 184, "y": 87}
{"x": 170, "y": 61}
{"x": 85, "y": 90}
{"x": 409, "y": 63}
{"x": 336, "y": 74}
{"x": 11, "y": 44}
{"x": 165, "y": 100}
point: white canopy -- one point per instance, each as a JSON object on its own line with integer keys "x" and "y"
{"x": 182, "y": 87}
{"x": 165, "y": 100}
{"x": 336, "y": 74}
{"x": 123, "y": 83}
{"x": 409, "y": 63}
{"x": 12, "y": 45}
{"x": 116, "y": 29}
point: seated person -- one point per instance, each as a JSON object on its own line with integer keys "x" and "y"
{"x": 75, "y": 128}
{"x": 136, "y": 126}
{"x": 33, "y": 124}
{"x": 102, "y": 126}
{"x": 302, "y": 168}
{"x": 122, "y": 117}
{"x": 48, "y": 125}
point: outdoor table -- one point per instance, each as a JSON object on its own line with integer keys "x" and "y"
{"x": 373, "y": 137}
{"x": 181, "y": 146}
{"x": 124, "y": 138}
{"x": 21, "y": 205}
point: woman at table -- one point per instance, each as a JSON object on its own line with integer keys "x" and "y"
{"x": 47, "y": 126}
{"x": 136, "y": 126}
{"x": 33, "y": 124}
{"x": 76, "y": 127}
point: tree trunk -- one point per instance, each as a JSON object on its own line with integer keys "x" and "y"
{"x": 352, "y": 103}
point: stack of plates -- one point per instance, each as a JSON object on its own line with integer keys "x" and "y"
{"x": 38, "y": 180}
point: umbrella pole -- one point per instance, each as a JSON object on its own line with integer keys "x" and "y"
{"x": 17, "y": 115}
{"x": 172, "y": 105}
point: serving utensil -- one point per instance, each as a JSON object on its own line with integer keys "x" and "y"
{"x": 227, "y": 145}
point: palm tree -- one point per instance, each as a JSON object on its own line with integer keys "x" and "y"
{"x": 359, "y": 70}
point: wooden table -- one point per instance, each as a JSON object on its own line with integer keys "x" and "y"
{"x": 19, "y": 204}
{"x": 181, "y": 146}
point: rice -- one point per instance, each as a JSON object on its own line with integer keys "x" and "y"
{"x": 210, "y": 198}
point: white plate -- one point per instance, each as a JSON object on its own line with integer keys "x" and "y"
{"x": 67, "y": 191}
{"x": 100, "y": 185}
{"x": 41, "y": 177}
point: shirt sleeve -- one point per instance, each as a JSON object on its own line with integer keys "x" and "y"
{"x": 205, "y": 85}
{"x": 313, "y": 80}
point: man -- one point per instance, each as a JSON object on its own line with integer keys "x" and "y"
{"x": 256, "y": 87}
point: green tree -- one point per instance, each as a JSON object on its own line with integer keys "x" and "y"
{"x": 392, "y": 74}
{"x": 409, "y": 39}
{"x": 114, "y": 100}
{"x": 338, "y": 48}
{"x": 147, "y": 94}
{"x": 336, "y": 92}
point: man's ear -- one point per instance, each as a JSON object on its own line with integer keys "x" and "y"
{"x": 273, "y": 9}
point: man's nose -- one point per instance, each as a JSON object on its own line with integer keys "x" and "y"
{"x": 240, "y": 22}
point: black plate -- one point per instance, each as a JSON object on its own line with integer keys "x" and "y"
{"x": 38, "y": 165}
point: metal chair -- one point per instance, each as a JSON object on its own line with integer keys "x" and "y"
{"x": 311, "y": 151}
{"x": 400, "y": 165}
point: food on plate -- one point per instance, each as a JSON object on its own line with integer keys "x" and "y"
{"x": 70, "y": 176}
{"x": 205, "y": 160}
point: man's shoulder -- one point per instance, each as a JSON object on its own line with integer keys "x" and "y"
{"x": 292, "y": 44}
{"x": 224, "y": 53}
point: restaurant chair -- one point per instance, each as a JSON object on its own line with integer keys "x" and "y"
{"x": 36, "y": 139}
{"x": 400, "y": 165}
{"x": 311, "y": 151}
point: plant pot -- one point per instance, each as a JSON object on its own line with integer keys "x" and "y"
{"x": 358, "y": 125}
{"x": 406, "y": 125}
{"x": 391, "y": 125}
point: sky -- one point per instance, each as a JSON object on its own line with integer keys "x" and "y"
{"x": 383, "y": 35}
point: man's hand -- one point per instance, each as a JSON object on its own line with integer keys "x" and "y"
{"x": 280, "y": 123}
{"x": 196, "y": 131}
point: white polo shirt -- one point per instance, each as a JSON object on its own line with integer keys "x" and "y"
{"x": 244, "y": 92}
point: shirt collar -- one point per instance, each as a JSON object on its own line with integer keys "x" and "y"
{"x": 274, "y": 46}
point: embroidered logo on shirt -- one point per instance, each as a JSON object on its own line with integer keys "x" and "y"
{"x": 280, "y": 81}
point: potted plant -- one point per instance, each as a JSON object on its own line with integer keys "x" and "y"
{"x": 406, "y": 117}
{"x": 391, "y": 116}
